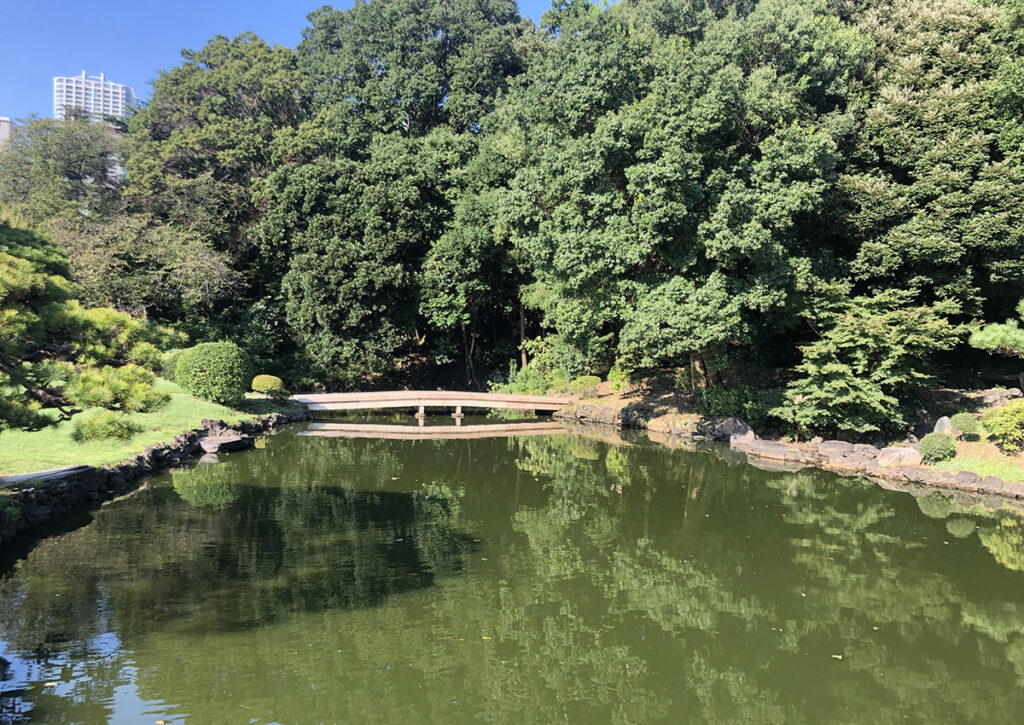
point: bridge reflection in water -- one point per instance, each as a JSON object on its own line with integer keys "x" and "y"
{"x": 432, "y": 432}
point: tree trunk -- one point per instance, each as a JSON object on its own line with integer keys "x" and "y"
{"x": 698, "y": 372}
{"x": 522, "y": 335}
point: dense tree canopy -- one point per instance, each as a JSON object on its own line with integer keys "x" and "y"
{"x": 423, "y": 183}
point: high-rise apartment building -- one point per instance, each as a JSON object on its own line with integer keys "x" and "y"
{"x": 5, "y": 130}
{"x": 95, "y": 95}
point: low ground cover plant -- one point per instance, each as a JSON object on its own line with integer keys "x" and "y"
{"x": 585, "y": 385}
{"x": 966, "y": 424}
{"x": 937, "y": 447}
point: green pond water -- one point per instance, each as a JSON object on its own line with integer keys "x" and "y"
{"x": 561, "y": 578}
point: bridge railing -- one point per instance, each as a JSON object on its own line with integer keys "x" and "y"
{"x": 429, "y": 399}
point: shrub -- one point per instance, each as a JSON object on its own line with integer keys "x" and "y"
{"x": 269, "y": 385}
{"x": 965, "y": 423}
{"x": 1006, "y": 425}
{"x": 169, "y": 362}
{"x": 585, "y": 385}
{"x": 102, "y": 424}
{"x": 619, "y": 377}
{"x": 128, "y": 388}
{"x": 215, "y": 371}
{"x": 936, "y": 447}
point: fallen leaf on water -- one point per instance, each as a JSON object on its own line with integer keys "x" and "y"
{"x": 837, "y": 657}
{"x": 50, "y": 684}
{"x": 484, "y": 637}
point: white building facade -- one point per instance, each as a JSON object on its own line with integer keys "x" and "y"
{"x": 95, "y": 95}
{"x": 5, "y": 130}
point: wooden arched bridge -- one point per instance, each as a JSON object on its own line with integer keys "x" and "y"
{"x": 423, "y": 399}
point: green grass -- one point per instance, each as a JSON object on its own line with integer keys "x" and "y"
{"x": 53, "y": 447}
{"x": 982, "y": 456}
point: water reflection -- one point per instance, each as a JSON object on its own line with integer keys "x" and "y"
{"x": 335, "y": 580}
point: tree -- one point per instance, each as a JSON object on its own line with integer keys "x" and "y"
{"x": 1001, "y": 338}
{"x": 870, "y": 359}
{"x": 49, "y": 341}
{"x": 935, "y": 199}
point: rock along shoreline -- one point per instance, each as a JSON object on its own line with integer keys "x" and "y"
{"x": 886, "y": 466}
{"x": 32, "y": 501}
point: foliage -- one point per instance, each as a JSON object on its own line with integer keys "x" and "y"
{"x": 749, "y": 404}
{"x": 269, "y": 385}
{"x": 146, "y": 355}
{"x": 127, "y": 389}
{"x": 937, "y": 447}
{"x": 169, "y": 362}
{"x": 966, "y": 424}
{"x": 857, "y": 376}
{"x": 639, "y": 184}
{"x": 619, "y": 378}
{"x": 98, "y": 425}
{"x": 208, "y": 486}
{"x": 1003, "y": 338}
{"x": 585, "y": 385}
{"x": 1006, "y": 425}
{"x": 215, "y": 371}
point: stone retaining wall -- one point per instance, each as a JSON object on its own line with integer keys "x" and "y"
{"x": 31, "y": 501}
{"x": 897, "y": 464}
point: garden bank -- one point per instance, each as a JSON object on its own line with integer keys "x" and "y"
{"x": 32, "y": 501}
{"x": 893, "y": 464}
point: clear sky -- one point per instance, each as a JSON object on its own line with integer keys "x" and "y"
{"x": 131, "y": 40}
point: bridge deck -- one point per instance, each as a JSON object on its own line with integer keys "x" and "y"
{"x": 429, "y": 399}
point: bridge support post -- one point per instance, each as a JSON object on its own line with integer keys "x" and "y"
{"x": 458, "y": 415}
{"x": 421, "y": 415}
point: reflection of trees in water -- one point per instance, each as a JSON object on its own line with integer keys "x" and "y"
{"x": 630, "y": 585}
{"x": 225, "y": 547}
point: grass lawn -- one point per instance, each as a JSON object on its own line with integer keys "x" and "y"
{"x": 985, "y": 459}
{"x": 53, "y": 447}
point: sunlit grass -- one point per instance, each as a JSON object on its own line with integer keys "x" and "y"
{"x": 984, "y": 458}
{"x": 53, "y": 447}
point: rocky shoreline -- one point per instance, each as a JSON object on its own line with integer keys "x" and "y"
{"x": 33, "y": 500}
{"x": 896, "y": 464}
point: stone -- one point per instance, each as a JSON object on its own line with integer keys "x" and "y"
{"x": 865, "y": 449}
{"x": 945, "y": 426}
{"x": 991, "y": 484}
{"x": 834, "y": 448}
{"x": 723, "y": 429}
{"x": 899, "y": 456}
{"x": 816, "y": 441}
{"x": 226, "y": 443}
{"x": 767, "y": 449}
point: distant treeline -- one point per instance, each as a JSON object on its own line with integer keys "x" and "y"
{"x": 833, "y": 188}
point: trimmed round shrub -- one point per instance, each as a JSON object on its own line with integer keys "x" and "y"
{"x": 965, "y": 423}
{"x": 1006, "y": 425}
{"x": 936, "y": 447}
{"x": 98, "y": 425}
{"x": 585, "y": 385}
{"x": 216, "y": 371}
{"x": 169, "y": 362}
{"x": 269, "y": 385}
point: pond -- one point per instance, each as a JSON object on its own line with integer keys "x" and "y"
{"x": 552, "y": 578}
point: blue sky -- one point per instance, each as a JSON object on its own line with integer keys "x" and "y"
{"x": 131, "y": 40}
